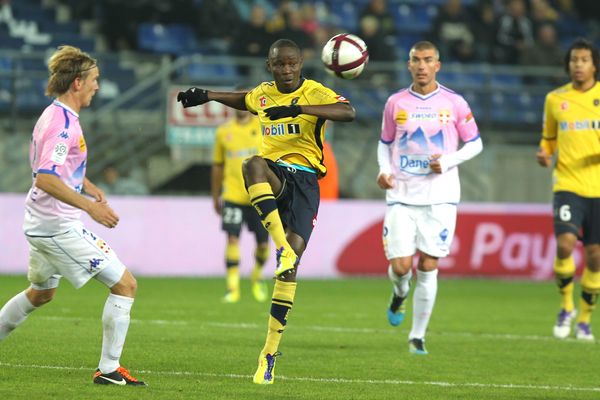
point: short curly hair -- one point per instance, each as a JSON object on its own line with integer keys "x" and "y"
{"x": 582, "y": 43}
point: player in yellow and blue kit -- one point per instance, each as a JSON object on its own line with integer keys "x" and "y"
{"x": 282, "y": 180}
{"x": 235, "y": 141}
{"x": 571, "y": 130}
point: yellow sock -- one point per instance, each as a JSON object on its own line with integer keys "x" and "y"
{"x": 282, "y": 302}
{"x": 590, "y": 287}
{"x": 263, "y": 200}
{"x": 564, "y": 270}
{"x": 260, "y": 257}
{"x": 232, "y": 259}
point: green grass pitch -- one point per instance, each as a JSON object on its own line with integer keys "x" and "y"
{"x": 488, "y": 339}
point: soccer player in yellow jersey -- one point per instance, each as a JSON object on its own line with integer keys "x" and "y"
{"x": 571, "y": 130}
{"x": 282, "y": 180}
{"x": 236, "y": 140}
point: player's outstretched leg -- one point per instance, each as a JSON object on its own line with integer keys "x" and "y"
{"x": 397, "y": 308}
{"x": 14, "y": 313}
{"x": 282, "y": 303}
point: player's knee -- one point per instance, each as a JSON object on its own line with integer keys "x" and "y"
{"x": 428, "y": 263}
{"x": 253, "y": 166}
{"x": 401, "y": 265}
{"x": 565, "y": 244}
{"x": 40, "y": 297}
{"x": 564, "y": 249}
{"x": 127, "y": 286}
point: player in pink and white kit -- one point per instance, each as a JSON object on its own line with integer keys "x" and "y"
{"x": 418, "y": 155}
{"x": 59, "y": 244}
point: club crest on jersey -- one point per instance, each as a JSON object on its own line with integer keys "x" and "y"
{"x": 444, "y": 116}
{"x": 262, "y": 101}
{"x": 294, "y": 101}
{"x": 82, "y": 146}
{"x": 564, "y": 106}
{"x": 596, "y": 102}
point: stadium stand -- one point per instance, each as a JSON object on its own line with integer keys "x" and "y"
{"x": 167, "y": 48}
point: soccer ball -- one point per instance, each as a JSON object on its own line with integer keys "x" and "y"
{"x": 345, "y": 56}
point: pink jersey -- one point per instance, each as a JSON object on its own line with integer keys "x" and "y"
{"x": 58, "y": 148}
{"x": 417, "y": 126}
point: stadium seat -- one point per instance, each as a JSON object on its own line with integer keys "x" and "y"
{"x": 177, "y": 39}
{"x": 223, "y": 73}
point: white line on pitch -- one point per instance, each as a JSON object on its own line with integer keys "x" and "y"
{"x": 336, "y": 329}
{"x": 333, "y": 380}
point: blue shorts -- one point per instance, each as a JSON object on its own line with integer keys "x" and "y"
{"x": 234, "y": 215}
{"x": 298, "y": 201}
{"x": 578, "y": 215}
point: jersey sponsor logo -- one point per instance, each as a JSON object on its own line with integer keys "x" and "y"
{"x": 401, "y": 117}
{"x": 423, "y": 116}
{"x": 280, "y": 129}
{"x": 415, "y": 164}
{"x": 59, "y": 154}
{"x": 64, "y": 135}
{"x": 582, "y": 125}
{"x": 82, "y": 146}
{"x": 242, "y": 153}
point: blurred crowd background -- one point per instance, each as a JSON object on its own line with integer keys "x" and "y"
{"x": 502, "y": 55}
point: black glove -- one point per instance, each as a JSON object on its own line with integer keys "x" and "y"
{"x": 193, "y": 97}
{"x": 282, "y": 112}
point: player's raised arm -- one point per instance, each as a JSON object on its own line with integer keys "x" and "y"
{"x": 196, "y": 96}
{"x": 342, "y": 112}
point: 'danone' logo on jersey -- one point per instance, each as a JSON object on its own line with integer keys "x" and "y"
{"x": 415, "y": 164}
{"x": 401, "y": 117}
{"x": 444, "y": 116}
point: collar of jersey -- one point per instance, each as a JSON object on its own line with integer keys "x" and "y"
{"x": 66, "y": 107}
{"x": 425, "y": 96}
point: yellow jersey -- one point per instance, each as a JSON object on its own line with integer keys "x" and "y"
{"x": 235, "y": 142}
{"x": 572, "y": 129}
{"x": 297, "y": 141}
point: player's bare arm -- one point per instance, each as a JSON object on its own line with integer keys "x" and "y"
{"x": 216, "y": 185}
{"x": 94, "y": 191}
{"x": 543, "y": 158}
{"x": 342, "y": 112}
{"x": 100, "y": 212}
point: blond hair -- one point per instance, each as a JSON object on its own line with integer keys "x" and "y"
{"x": 65, "y": 65}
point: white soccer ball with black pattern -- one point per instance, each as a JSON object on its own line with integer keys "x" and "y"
{"x": 345, "y": 55}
